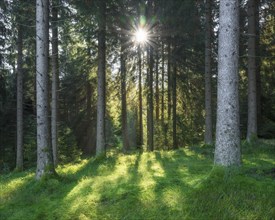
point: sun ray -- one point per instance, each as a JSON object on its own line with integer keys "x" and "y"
{"x": 141, "y": 36}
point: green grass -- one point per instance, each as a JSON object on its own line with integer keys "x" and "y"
{"x": 178, "y": 184}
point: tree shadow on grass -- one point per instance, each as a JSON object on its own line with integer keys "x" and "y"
{"x": 158, "y": 185}
{"x": 39, "y": 197}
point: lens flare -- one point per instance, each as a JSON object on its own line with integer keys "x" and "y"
{"x": 141, "y": 36}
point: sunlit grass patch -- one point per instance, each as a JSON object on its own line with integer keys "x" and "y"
{"x": 72, "y": 168}
{"x": 178, "y": 184}
{"x": 9, "y": 185}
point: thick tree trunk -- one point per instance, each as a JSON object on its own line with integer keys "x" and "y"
{"x": 208, "y": 91}
{"x": 44, "y": 150}
{"x": 227, "y": 149}
{"x": 101, "y": 78}
{"x": 124, "y": 99}
{"x": 252, "y": 88}
{"x": 19, "y": 155}
{"x": 55, "y": 82}
{"x": 140, "y": 141}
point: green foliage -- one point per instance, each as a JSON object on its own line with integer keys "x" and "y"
{"x": 68, "y": 151}
{"x": 180, "y": 184}
{"x": 267, "y": 128}
{"x": 29, "y": 154}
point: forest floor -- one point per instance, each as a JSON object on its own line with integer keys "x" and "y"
{"x": 178, "y": 184}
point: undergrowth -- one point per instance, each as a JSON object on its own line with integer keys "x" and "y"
{"x": 180, "y": 184}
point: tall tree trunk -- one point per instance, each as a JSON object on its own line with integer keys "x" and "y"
{"x": 157, "y": 85}
{"x": 124, "y": 99}
{"x": 89, "y": 100}
{"x": 208, "y": 91}
{"x": 19, "y": 155}
{"x": 89, "y": 147}
{"x": 227, "y": 149}
{"x": 140, "y": 142}
{"x": 101, "y": 78}
{"x": 55, "y": 82}
{"x": 252, "y": 88}
{"x": 150, "y": 111}
{"x": 169, "y": 79}
{"x": 44, "y": 150}
{"x": 258, "y": 63}
{"x": 150, "y": 93}
{"x": 162, "y": 84}
{"x": 174, "y": 107}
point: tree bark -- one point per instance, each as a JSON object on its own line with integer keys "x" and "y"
{"x": 44, "y": 150}
{"x": 55, "y": 82}
{"x": 169, "y": 79}
{"x": 19, "y": 155}
{"x": 140, "y": 142}
{"x": 162, "y": 85}
{"x": 101, "y": 78}
{"x": 150, "y": 112}
{"x": 208, "y": 91}
{"x": 258, "y": 64}
{"x": 150, "y": 93}
{"x": 157, "y": 85}
{"x": 227, "y": 149}
{"x": 252, "y": 87}
{"x": 124, "y": 99}
{"x": 174, "y": 107}
{"x": 89, "y": 100}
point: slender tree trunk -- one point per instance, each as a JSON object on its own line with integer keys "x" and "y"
{"x": 19, "y": 155}
{"x": 157, "y": 85}
{"x": 162, "y": 85}
{"x": 252, "y": 88}
{"x": 208, "y": 91}
{"x": 150, "y": 123}
{"x": 55, "y": 82}
{"x": 150, "y": 107}
{"x": 258, "y": 63}
{"x": 89, "y": 135}
{"x": 227, "y": 149}
{"x": 169, "y": 80}
{"x": 124, "y": 99}
{"x": 101, "y": 78}
{"x": 89, "y": 100}
{"x": 174, "y": 98}
{"x": 140, "y": 98}
{"x": 44, "y": 150}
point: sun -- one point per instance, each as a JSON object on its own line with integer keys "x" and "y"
{"x": 141, "y": 36}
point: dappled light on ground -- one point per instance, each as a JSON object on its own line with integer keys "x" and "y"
{"x": 178, "y": 184}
